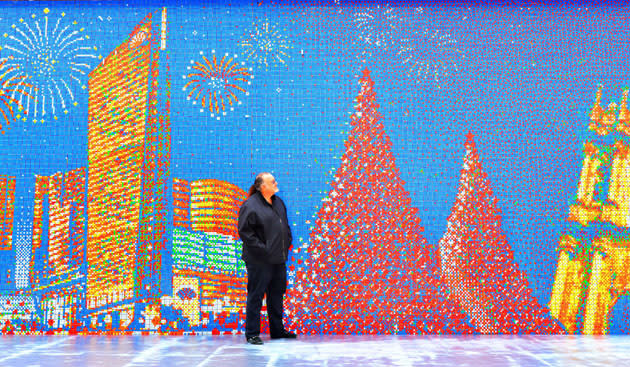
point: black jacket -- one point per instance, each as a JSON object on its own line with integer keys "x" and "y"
{"x": 264, "y": 230}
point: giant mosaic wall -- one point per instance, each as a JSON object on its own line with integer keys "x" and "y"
{"x": 448, "y": 169}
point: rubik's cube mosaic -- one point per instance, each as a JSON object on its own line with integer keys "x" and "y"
{"x": 448, "y": 169}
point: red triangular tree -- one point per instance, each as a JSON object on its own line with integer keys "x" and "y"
{"x": 369, "y": 269}
{"x": 478, "y": 264}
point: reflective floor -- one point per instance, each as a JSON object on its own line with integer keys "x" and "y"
{"x": 355, "y": 351}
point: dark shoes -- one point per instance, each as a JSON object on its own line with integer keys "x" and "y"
{"x": 284, "y": 335}
{"x": 254, "y": 340}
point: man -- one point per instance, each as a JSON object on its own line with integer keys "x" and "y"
{"x": 266, "y": 235}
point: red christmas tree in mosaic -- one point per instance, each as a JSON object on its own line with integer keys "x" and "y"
{"x": 369, "y": 269}
{"x": 478, "y": 264}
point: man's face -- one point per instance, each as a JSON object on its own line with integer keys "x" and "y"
{"x": 269, "y": 185}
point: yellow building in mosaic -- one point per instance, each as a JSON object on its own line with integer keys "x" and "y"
{"x": 593, "y": 273}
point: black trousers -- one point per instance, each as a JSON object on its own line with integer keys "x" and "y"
{"x": 269, "y": 279}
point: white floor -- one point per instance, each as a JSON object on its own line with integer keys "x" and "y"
{"x": 355, "y": 351}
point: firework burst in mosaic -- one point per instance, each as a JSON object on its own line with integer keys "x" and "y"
{"x": 53, "y": 54}
{"x": 12, "y": 84}
{"x": 432, "y": 55}
{"x": 377, "y": 26}
{"x": 217, "y": 83}
{"x": 266, "y": 45}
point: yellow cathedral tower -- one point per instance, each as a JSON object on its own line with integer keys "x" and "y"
{"x": 594, "y": 269}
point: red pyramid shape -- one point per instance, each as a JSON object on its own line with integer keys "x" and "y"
{"x": 369, "y": 269}
{"x": 478, "y": 264}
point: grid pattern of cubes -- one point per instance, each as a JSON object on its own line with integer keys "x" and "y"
{"x": 216, "y": 260}
{"x": 58, "y": 261}
{"x": 7, "y": 200}
{"x": 223, "y": 254}
{"x": 214, "y": 206}
{"x": 188, "y": 250}
{"x": 59, "y": 227}
{"x": 60, "y": 203}
{"x": 39, "y": 256}
{"x": 181, "y": 203}
{"x": 152, "y": 249}
{"x": 592, "y": 275}
{"x": 200, "y": 251}
{"x": 117, "y": 126}
{"x": 7, "y": 208}
{"x": 16, "y": 307}
{"x": 76, "y": 197}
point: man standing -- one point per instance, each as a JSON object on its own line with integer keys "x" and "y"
{"x": 264, "y": 229}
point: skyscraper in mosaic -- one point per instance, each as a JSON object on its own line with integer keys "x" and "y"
{"x": 7, "y": 252}
{"x": 57, "y": 263}
{"x": 129, "y": 159}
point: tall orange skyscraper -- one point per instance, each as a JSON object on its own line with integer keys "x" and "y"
{"x": 57, "y": 264}
{"x": 128, "y": 160}
{"x": 7, "y": 255}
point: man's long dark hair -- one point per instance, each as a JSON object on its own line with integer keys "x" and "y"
{"x": 257, "y": 182}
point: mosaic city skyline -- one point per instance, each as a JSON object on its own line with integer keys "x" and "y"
{"x": 447, "y": 169}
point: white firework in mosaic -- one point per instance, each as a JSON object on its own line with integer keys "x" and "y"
{"x": 266, "y": 45}
{"x": 12, "y": 84}
{"x": 53, "y": 55}
{"x": 217, "y": 84}
{"x": 433, "y": 55}
{"x": 377, "y": 26}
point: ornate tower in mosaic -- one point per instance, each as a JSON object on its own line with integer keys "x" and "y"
{"x": 594, "y": 253}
